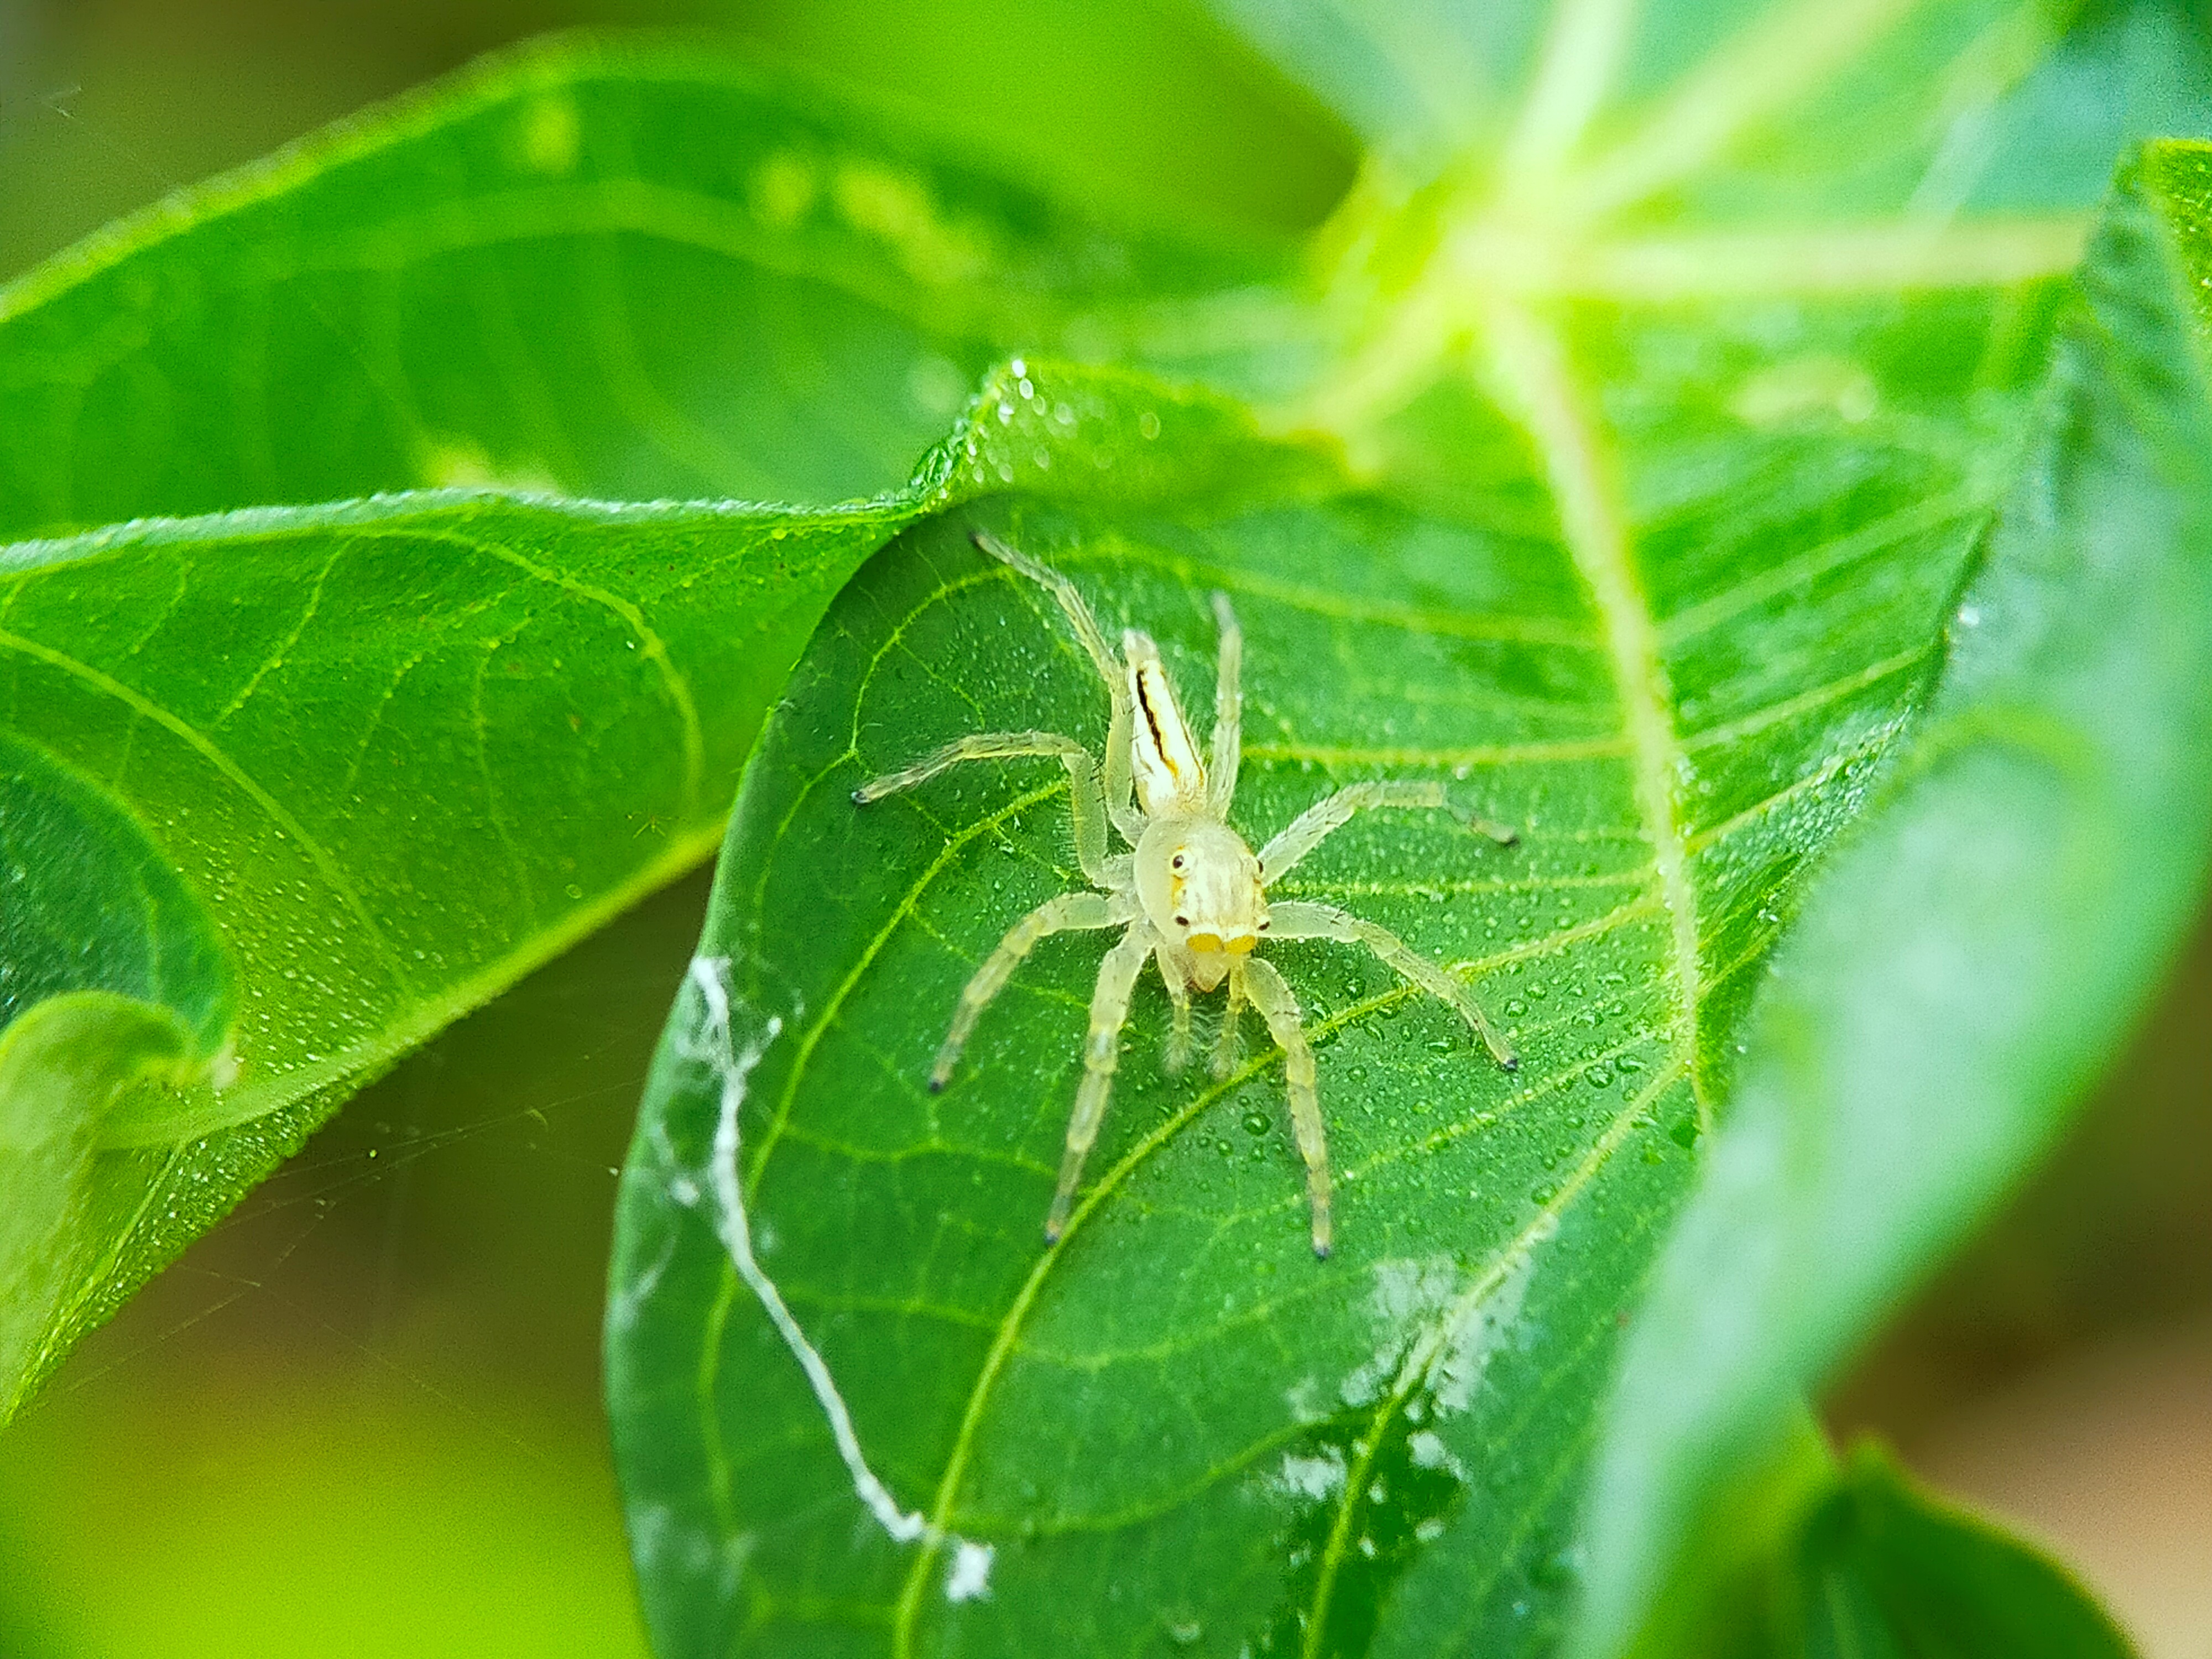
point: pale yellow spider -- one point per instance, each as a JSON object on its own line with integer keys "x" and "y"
{"x": 1191, "y": 894}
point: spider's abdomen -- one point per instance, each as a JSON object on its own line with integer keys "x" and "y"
{"x": 1163, "y": 757}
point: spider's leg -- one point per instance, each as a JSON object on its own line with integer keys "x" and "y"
{"x": 1279, "y": 1008}
{"x": 1295, "y": 919}
{"x": 1119, "y": 805}
{"x": 1101, "y": 1053}
{"x": 1179, "y": 1042}
{"x": 1084, "y": 801}
{"x": 1227, "y": 1045}
{"x": 1325, "y": 817}
{"x": 1228, "y": 713}
{"x": 1055, "y": 916}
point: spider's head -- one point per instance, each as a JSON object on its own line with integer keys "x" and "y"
{"x": 1200, "y": 888}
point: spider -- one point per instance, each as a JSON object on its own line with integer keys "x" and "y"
{"x": 1190, "y": 893}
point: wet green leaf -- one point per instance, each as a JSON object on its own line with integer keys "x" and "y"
{"x": 1659, "y": 500}
{"x": 1974, "y": 960}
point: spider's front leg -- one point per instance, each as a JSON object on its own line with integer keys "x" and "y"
{"x": 1086, "y": 801}
{"x": 1102, "y": 1054}
{"x": 1297, "y": 919}
{"x": 1273, "y": 997}
{"x": 1228, "y": 747}
{"x": 1327, "y": 816}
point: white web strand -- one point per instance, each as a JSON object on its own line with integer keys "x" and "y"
{"x": 969, "y": 1575}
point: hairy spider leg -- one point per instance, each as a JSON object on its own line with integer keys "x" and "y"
{"x": 1271, "y": 995}
{"x": 1300, "y": 919}
{"x": 1330, "y": 814}
{"x": 1120, "y": 781}
{"x": 1179, "y": 1039}
{"x": 1067, "y": 913}
{"x": 1227, "y": 1045}
{"x": 1228, "y": 713}
{"x": 1101, "y": 1053}
{"x": 1085, "y": 804}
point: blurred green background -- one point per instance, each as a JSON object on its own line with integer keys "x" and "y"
{"x": 361, "y": 1418}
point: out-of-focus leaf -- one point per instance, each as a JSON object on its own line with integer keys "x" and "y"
{"x": 1863, "y": 1565}
{"x": 615, "y": 269}
{"x": 301, "y": 786}
{"x": 1879, "y": 1570}
{"x": 1977, "y": 956}
{"x": 1741, "y": 112}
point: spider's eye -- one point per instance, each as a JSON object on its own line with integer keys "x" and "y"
{"x": 1182, "y": 922}
{"x": 1265, "y": 925}
{"x": 1177, "y": 862}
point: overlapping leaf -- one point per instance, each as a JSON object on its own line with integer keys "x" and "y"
{"x": 394, "y": 753}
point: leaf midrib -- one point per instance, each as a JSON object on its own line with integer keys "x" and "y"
{"x": 1539, "y": 387}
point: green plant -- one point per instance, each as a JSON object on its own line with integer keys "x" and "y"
{"x": 1741, "y": 456}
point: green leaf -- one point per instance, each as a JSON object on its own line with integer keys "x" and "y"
{"x": 116, "y": 996}
{"x": 1749, "y": 112}
{"x": 623, "y": 269}
{"x": 1177, "y": 1382}
{"x": 1867, "y": 1566}
{"x": 1979, "y": 953}
{"x": 378, "y": 761}
{"x": 1880, "y": 1569}
{"x": 1658, "y": 503}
